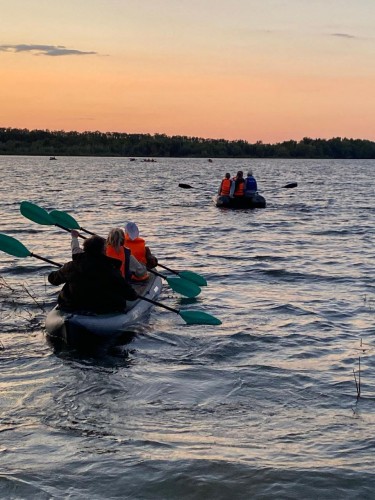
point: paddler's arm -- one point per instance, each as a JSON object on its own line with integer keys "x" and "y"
{"x": 75, "y": 243}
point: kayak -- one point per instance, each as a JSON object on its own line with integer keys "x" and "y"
{"x": 254, "y": 201}
{"x": 82, "y": 330}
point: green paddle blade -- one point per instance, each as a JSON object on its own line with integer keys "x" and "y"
{"x": 184, "y": 287}
{"x": 199, "y": 318}
{"x": 63, "y": 219}
{"x": 36, "y": 214}
{"x": 193, "y": 277}
{"x": 13, "y": 247}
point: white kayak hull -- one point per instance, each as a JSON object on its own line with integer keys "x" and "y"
{"x": 79, "y": 329}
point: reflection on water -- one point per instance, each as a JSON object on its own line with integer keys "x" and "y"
{"x": 264, "y": 405}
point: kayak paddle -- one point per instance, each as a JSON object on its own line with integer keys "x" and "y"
{"x": 39, "y": 215}
{"x": 287, "y": 186}
{"x": 190, "y": 317}
{"x": 67, "y": 222}
{"x": 187, "y": 275}
{"x": 17, "y": 249}
{"x": 59, "y": 219}
{"x": 179, "y": 285}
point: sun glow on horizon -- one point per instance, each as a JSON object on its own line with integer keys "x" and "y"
{"x": 234, "y": 75}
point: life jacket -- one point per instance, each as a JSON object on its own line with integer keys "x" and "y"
{"x": 137, "y": 248}
{"x": 120, "y": 255}
{"x": 239, "y": 190}
{"x": 251, "y": 184}
{"x": 225, "y": 187}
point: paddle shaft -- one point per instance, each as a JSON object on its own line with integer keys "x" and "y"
{"x": 70, "y": 230}
{"x": 87, "y": 231}
{"x": 45, "y": 260}
{"x": 287, "y": 186}
{"x": 159, "y": 304}
{"x": 168, "y": 269}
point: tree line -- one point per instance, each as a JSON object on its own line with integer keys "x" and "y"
{"x": 15, "y": 141}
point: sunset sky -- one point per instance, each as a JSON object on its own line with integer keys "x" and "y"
{"x": 268, "y": 70}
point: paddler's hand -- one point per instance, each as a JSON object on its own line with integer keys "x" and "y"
{"x": 74, "y": 233}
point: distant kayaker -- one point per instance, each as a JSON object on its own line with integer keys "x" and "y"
{"x": 251, "y": 186}
{"x": 138, "y": 246}
{"x": 226, "y": 183}
{"x": 92, "y": 281}
{"x": 238, "y": 185}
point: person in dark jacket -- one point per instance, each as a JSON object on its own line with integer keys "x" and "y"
{"x": 92, "y": 281}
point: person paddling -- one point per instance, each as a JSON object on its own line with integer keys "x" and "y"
{"x": 138, "y": 246}
{"x": 92, "y": 281}
{"x": 131, "y": 268}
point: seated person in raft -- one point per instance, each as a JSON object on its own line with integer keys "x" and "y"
{"x": 226, "y": 184}
{"x": 251, "y": 186}
{"x": 238, "y": 186}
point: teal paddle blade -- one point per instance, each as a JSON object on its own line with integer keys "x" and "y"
{"x": 184, "y": 287}
{"x": 36, "y": 214}
{"x": 13, "y": 247}
{"x": 63, "y": 219}
{"x": 193, "y": 277}
{"x": 199, "y": 318}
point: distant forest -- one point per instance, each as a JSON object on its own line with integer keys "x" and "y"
{"x": 52, "y": 143}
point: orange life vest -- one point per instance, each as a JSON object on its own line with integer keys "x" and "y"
{"x": 137, "y": 248}
{"x": 240, "y": 187}
{"x": 225, "y": 187}
{"x": 120, "y": 255}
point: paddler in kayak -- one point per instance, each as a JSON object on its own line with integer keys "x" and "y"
{"x": 131, "y": 267}
{"x": 138, "y": 246}
{"x": 92, "y": 281}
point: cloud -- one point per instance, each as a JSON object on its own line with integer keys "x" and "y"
{"x": 343, "y": 35}
{"x": 44, "y": 50}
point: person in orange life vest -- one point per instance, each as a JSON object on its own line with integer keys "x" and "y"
{"x": 138, "y": 246}
{"x": 226, "y": 183}
{"x": 238, "y": 185}
{"x": 131, "y": 268}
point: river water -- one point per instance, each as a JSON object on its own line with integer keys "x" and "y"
{"x": 263, "y": 406}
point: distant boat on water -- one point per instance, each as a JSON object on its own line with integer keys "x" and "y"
{"x": 52, "y": 158}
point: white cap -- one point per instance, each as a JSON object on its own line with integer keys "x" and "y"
{"x": 250, "y": 172}
{"x": 132, "y": 230}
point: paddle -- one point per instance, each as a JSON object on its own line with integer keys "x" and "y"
{"x": 187, "y": 275}
{"x": 17, "y": 249}
{"x": 287, "y": 186}
{"x": 40, "y": 216}
{"x": 64, "y": 221}
{"x": 179, "y": 285}
{"x": 190, "y": 317}
{"x": 59, "y": 219}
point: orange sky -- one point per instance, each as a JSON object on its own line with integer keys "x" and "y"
{"x": 254, "y": 70}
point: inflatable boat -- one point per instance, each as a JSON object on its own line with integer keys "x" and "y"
{"x": 82, "y": 330}
{"x": 254, "y": 201}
